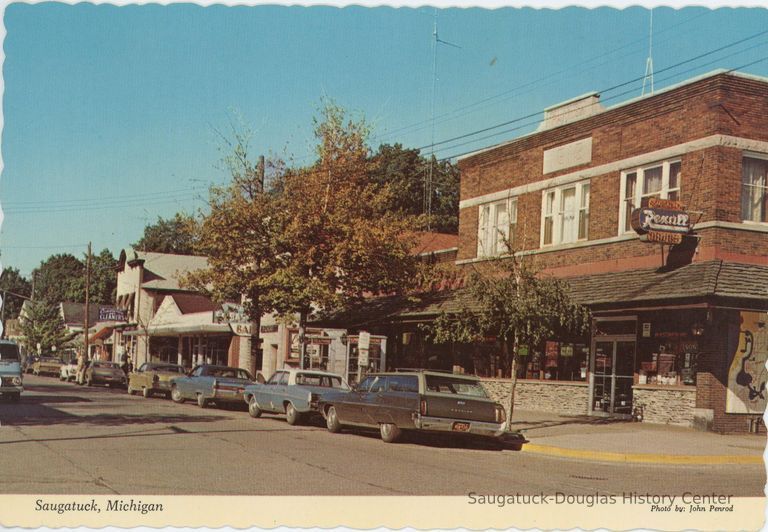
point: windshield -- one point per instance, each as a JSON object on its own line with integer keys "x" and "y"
{"x": 9, "y": 352}
{"x": 449, "y": 385}
{"x": 170, "y": 369}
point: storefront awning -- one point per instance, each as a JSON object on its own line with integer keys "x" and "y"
{"x": 710, "y": 281}
{"x": 175, "y": 330}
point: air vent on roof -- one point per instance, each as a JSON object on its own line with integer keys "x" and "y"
{"x": 571, "y": 110}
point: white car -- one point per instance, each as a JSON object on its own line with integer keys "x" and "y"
{"x": 68, "y": 371}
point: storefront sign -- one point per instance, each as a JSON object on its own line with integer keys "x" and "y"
{"x": 235, "y": 316}
{"x": 111, "y": 314}
{"x": 661, "y": 221}
{"x": 566, "y": 350}
{"x": 646, "y": 330}
{"x": 267, "y": 329}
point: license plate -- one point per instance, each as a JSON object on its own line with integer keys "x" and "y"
{"x": 461, "y": 426}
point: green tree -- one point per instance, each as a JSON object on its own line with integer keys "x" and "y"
{"x": 403, "y": 171}
{"x": 518, "y": 305}
{"x": 103, "y": 278}
{"x": 16, "y": 285}
{"x": 60, "y": 278}
{"x": 43, "y": 324}
{"x": 179, "y": 235}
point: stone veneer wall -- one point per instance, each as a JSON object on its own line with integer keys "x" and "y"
{"x": 673, "y": 405}
{"x": 560, "y": 397}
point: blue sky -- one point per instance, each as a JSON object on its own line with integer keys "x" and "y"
{"x": 110, "y": 112}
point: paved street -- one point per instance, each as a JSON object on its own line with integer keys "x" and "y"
{"x": 64, "y": 439}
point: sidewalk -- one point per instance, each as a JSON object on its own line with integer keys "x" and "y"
{"x": 603, "y": 439}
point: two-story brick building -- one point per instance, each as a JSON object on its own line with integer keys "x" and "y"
{"x": 680, "y": 330}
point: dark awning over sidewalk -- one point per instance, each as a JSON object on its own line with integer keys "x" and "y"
{"x": 710, "y": 282}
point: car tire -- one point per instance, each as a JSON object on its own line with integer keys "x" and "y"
{"x": 202, "y": 402}
{"x": 253, "y": 408}
{"x": 390, "y": 432}
{"x": 332, "y": 420}
{"x": 176, "y": 396}
{"x": 291, "y": 415}
{"x": 146, "y": 393}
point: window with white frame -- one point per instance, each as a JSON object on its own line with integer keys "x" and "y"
{"x": 660, "y": 180}
{"x": 754, "y": 188}
{"x": 496, "y": 227}
{"x": 565, "y": 214}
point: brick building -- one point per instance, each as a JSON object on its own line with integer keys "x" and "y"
{"x": 680, "y": 329}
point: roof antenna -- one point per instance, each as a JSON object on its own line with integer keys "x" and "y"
{"x": 427, "y": 207}
{"x": 649, "y": 62}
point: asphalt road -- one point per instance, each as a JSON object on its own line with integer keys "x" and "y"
{"x": 66, "y": 439}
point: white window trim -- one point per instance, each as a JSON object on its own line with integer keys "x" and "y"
{"x": 491, "y": 237}
{"x": 750, "y": 155}
{"x": 556, "y": 222}
{"x": 640, "y": 171}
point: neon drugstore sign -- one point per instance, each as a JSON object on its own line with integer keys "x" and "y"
{"x": 662, "y": 221}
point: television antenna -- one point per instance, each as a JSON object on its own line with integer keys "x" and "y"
{"x": 648, "y": 78}
{"x": 427, "y": 203}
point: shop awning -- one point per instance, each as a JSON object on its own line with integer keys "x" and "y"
{"x": 175, "y": 330}
{"x": 710, "y": 281}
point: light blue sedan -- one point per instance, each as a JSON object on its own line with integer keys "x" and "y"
{"x": 207, "y": 384}
{"x": 293, "y": 392}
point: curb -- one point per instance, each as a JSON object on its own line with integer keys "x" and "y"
{"x": 641, "y": 458}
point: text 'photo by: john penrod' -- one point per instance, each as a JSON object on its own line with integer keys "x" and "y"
{"x": 476, "y": 266}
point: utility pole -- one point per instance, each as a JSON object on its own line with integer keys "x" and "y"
{"x": 261, "y": 173}
{"x": 86, "y": 325}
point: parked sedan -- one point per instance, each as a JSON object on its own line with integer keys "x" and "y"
{"x": 207, "y": 384}
{"x": 292, "y": 392}
{"x": 415, "y": 401}
{"x": 68, "y": 371}
{"x": 154, "y": 378}
{"x": 101, "y": 372}
{"x": 47, "y": 365}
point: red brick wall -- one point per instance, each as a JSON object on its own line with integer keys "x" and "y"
{"x": 711, "y": 178}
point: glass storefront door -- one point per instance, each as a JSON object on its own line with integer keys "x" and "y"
{"x": 612, "y": 376}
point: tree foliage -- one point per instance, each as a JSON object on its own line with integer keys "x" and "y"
{"x": 12, "y": 281}
{"x": 402, "y": 171}
{"x": 60, "y": 278}
{"x": 519, "y": 306}
{"x": 103, "y": 278}
{"x": 42, "y": 323}
{"x": 178, "y": 235}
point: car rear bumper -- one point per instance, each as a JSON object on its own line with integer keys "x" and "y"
{"x": 441, "y": 424}
{"x": 11, "y": 389}
{"x": 107, "y": 379}
{"x": 227, "y": 396}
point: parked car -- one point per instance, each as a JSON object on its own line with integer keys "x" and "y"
{"x": 292, "y": 392}
{"x": 68, "y": 371}
{"x": 208, "y": 383}
{"x": 11, "y": 380}
{"x": 154, "y": 378}
{"x": 47, "y": 365}
{"x": 416, "y": 401}
{"x": 102, "y": 372}
{"x": 29, "y": 363}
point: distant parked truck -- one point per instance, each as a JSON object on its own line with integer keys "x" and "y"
{"x": 11, "y": 381}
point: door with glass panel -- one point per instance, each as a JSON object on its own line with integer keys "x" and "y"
{"x": 613, "y": 363}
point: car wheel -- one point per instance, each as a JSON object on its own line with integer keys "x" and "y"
{"x": 176, "y": 396}
{"x": 291, "y": 415}
{"x": 146, "y": 392}
{"x": 390, "y": 432}
{"x": 253, "y": 408}
{"x": 332, "y": 420}
{"x": 202, "y": 402}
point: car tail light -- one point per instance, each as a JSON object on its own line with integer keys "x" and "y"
{"x": 423, "y": 407}
{"x": 501, "y": 415}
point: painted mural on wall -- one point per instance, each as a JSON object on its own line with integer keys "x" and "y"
{"x": 747, "y": 375}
